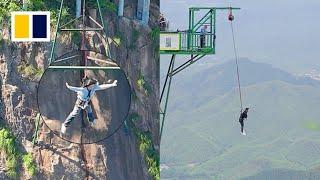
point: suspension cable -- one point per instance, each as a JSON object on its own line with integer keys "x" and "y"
{"x": 84, "y": 52}
{"x": 231, "y": 18}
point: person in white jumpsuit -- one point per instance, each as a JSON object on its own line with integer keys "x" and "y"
{"x": 84, "y": 95}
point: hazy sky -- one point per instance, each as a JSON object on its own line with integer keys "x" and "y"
{"x": 283, "y": 33}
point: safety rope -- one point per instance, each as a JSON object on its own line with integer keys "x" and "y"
{"x": 231, "y": 18}
{"x": 83, "y": 40}
{"x": 85, "y": 55}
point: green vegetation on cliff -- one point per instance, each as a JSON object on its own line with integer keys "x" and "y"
{"x": 104, "y": 4}
{"x": 143, "y": 84}
{"x": 146, "y": 148}
{"x": 30, "y": 72}
{"x": 29, "y": 164}
{"x": 9, "y": 147}
{"x": 6, "y": 6}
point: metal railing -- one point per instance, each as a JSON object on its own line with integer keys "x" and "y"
{"x": 191, "y": 42}
{"x": 196, "y": 41}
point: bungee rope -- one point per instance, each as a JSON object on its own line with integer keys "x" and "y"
{"x": 231, "y": 18}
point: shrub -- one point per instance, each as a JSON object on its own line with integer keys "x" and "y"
{"x": 135, "y": 35}
{"x": 76, "y": 38}
{"x": 134, "y": 38}
{"x": 155, "y": 34}
{"x": 134, "y": 95}
{"x": 104, "y": 4}
{"x": 146, "y": 148}
{"x": 29, "y": 71}
{"x": 150, "y": 155}
{"x": 140, "y": 82}
{"x": 54, "y": 14}
{"x": 12, "y": 164}
{"x": 117, "y": 40}
{"x": 35, "y": 5}
{"x": 29, "y": 164}
{"x": 134, "y": 117}
{"x": 143, "y": 84}
{"x": 7, "y": 142}
{"x": 109, "y": 6}
{"x": 6, "y": 6}
{"x": 8, "y": 146}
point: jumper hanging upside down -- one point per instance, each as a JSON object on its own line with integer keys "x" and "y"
{"x": 84, "y": 96}
{"x": 244, "y": 115}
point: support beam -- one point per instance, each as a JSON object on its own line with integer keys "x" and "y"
{"x": 86, "y": 29}
{"x": 67, "y": 58}
{"x": 217, "y": 8}
{"x": 143, "y": 11}
{"x": 24, "y": 3}
{"x": 120, "y": 8}
{"x": 187, "y": 64}
{"x": 197, "y": 52}
{"x": 83, "y": 67}
{"x": 103, "y": 61}
{"x": 164, "y": 111}
{"x": 56, "y": 35}
{"x": 78, "y": 8}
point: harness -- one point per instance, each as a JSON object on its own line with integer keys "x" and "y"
{"x": 84, "y": 104}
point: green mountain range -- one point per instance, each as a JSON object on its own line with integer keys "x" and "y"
{"x": 202, "y": 140}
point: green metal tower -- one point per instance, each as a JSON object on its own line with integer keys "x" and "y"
{"x": 197, "y": 41}
{"x": 82, "y": 27}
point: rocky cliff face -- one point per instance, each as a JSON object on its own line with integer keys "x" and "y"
{"x": 118, "y": 157}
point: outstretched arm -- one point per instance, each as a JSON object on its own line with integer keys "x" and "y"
{"x": 106, "y": 86}
{"x": 72, "y": 88}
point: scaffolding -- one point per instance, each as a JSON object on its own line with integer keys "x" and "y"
{"x": 80, "y": 18}
{"x": 197, "y": 41}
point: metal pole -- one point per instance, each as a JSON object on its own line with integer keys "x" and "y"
{"x": 23, "y": 4}
{"x": 190, "y": 60}
{"x": 214, "y": 28}
{"x": 188, "y": 32}
{"x": 211, "y": 29}
{"x": 120, "y": 8}
{"x": 145, "y": 12}
{"x": 165, "y": 82}
{"x": 192, "y": 30}
{"x": 78, "y": 8}
{"x": 176, "y": 71}
{"x": 200, "y": 21}
{"x": 101, "y": 18}
{"x": 56, "y": 35}
{"x": 167, "y": 96}
{"x": 104, "y": 28}
{"x": 84, "y": 60}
